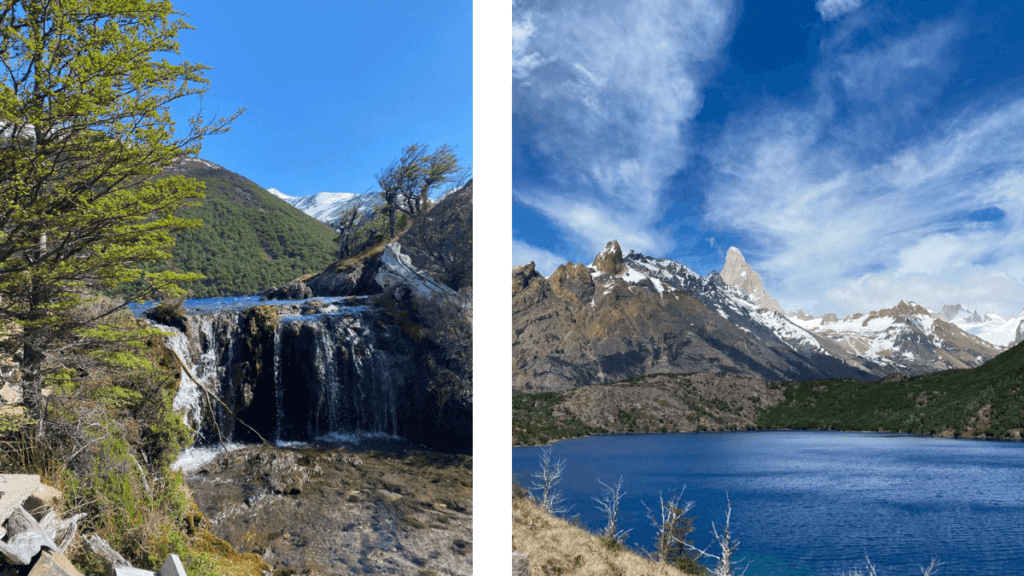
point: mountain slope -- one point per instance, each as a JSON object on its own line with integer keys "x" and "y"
{"x": 625, "y": 317}
{"x": 987, "y": 401}
{"x": 328, "y": 206}
{"x": 249, "y": 239}
{"x": 905, "y": 339}
{"x": 992, "y": 328}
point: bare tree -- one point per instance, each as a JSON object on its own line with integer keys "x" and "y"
{"x": 608, "y": 503}
{"x": 726, "y": 546}
{"x": 547, "y": 479}
{"x": 925, "y": 570}
{"x": 397, "y": 180}
{"x": 351, "y": 226}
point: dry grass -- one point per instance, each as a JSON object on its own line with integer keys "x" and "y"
{"x": 557, "y": 547}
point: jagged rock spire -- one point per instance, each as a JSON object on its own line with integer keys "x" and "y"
{"x": 609, "y": 260}
{"x": 739, "y": 274}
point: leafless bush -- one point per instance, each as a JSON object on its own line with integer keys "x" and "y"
{"x": 726, "y": 545}
{"x": 608, "y": 503}
{"x": 925, "y": 570}
{"x": 547, "y": 479}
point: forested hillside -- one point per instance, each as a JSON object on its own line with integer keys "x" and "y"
{"x": 983, "y": 402}
{"x": 249, "y": 240}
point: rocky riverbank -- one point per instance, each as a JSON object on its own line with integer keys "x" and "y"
{"x": 383, "y": 507}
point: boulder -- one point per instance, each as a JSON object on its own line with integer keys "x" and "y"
{"x": 520, "y": 564}
{"x": 44, "y": 498}
{"x": 52, "y": 563}
{"x": 396, "y": 269}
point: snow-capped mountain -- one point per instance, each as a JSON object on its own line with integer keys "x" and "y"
{"x": 328, "y": 206}
{"x": 739, "y": 274}
{"x": 628, "y": 316}
{"x": 993, "y": 328}
{"x": 907, "y": 338}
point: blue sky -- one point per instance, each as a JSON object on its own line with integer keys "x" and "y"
{"x": 333, "y": 90}
{"x": 857, "y": 152}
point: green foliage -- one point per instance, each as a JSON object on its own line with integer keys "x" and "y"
{"x": 86, "y": 131}
{"x": 987, "y": 401}
{"x": 249, "y": 241}
{"x": 406, "y": 183}
{"x": 533, "y": 421}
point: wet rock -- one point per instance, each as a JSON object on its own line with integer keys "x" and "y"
{"x": 381, "y": 509}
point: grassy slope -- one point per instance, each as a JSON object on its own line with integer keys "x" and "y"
{"x": 555, "y": 546}
{"x": 250, "y": 240}
{"x": 987, "y": 401}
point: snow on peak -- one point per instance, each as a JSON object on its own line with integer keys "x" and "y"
{"x": 280, "y": 194}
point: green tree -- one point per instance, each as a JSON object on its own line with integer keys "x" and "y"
{"x": 86, "y": 130}
{"x": 407, "y": 182}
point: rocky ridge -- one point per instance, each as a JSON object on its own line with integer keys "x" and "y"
{"x": 993, "y": 328}
{"x": 628, "y": 316}
{"x": 906, "y": 339}
{"x": 739, "y": 274}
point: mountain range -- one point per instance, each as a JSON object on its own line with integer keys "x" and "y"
{"x": 630, "y": 316}
{"x": 328, "y": 206}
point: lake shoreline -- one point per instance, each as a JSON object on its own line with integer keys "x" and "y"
{"x": 656, "y": 432}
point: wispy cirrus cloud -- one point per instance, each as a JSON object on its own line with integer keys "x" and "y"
{"x": 545, "y": 261}
{"x": 603, "y": 92}
{"x": 845, "y": 217}
{"x": 832, "y": 9}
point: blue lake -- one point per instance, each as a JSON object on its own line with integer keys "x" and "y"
{"x": 813, "y": 503}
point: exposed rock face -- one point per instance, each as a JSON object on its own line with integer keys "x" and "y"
{"x": 609, "y": 260}
{"x": 585, "y": 326}
{"x": 387, "y": 509}
{"x": 294, "y": 290}
{"x": 347, "y": 278}
{"x": 904, "y": 339}
{"x": 739, "y": 274}
{"x": 676, "y": 403}
{"x": 302, "y": 372}
{"x": 396, "y": 269}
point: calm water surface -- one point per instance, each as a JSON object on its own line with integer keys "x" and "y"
{"x": 812, "y": 503}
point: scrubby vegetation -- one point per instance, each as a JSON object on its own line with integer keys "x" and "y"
{"x": 107, "y": 441}
{"x": 534, "y": 421}
{"x": 983, "y": 402}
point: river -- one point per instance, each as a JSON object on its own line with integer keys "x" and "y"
{"x": 814, "y": 503}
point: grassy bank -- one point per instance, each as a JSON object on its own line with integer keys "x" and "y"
{"x": 556, "y": 546}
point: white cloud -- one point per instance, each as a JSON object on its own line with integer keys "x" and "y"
{"x": 523, "y": 61}
{"x": 546, "y": 262}
{"x": 831, "y": 9}
{"x": 610, "y": 87}
{"x": 847, "y": 222}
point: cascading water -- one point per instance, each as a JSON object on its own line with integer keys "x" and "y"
{"x": 289, "y": 376}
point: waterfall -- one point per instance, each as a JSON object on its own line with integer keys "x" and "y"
{"x": 293, "y": 376}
